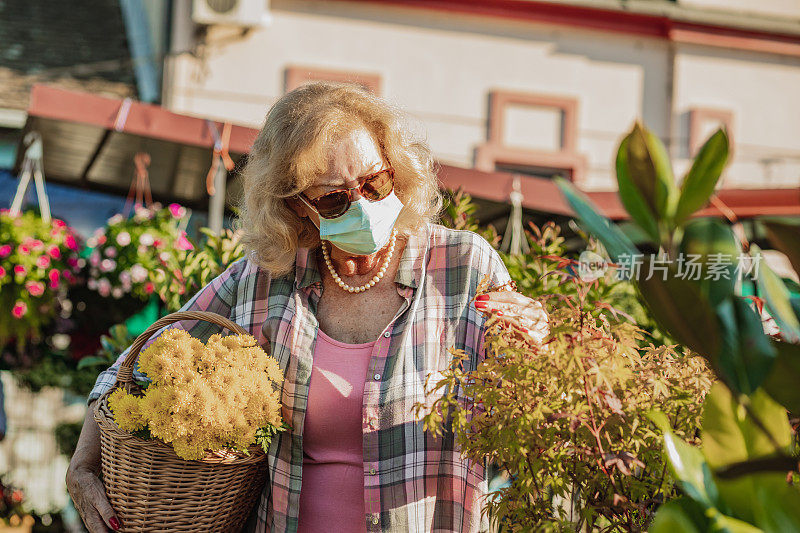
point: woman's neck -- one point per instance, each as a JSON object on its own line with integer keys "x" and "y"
{"x": 363, "y": 266}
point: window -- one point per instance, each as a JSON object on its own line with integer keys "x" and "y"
{"x": 703, "y": 122}
{"x": 532, "y": 134}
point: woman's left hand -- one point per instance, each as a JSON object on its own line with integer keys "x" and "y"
{"x": 525, "y": 314}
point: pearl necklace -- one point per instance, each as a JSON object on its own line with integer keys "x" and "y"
{"x": 370, "y": 283}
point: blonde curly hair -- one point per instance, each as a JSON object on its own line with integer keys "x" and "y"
{"x": 291, "y": 151}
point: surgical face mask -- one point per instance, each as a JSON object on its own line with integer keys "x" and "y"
{"x": 363, "y": 229}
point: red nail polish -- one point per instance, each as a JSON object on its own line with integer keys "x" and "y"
{"x": 482, "y": 297}
{"x": 114, "y": 523}
{"x": 499, "y": 313}
{"x": 480, "y": 305}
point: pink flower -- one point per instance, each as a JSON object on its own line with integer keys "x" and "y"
{"x": 149, "y": 287}
{"x": 124, "y": 238}
{"x": 19, "y": 310}
{"x": 68, "y": 276}
{"x": 183, "y": 243}
{"x": 177, "y": 210}
{"x": 24, "y": 249}
{"x": 110, "y": 251}
{"x": 72, "y": 261}
{"x": 59, "y": 223}
{"x": 5, "y": 250}
{"x": 104, "y": 287}
{"x": 36, "y": 288}
{"x": 19, "y": 270}
{"x": 94, "y": 259}
{"x": 55, "y": 252}
{"x": 54, "y": 275}
{"x": 158, "y": 243}
{"x": 107, "y": 265}
{"x": 69, "y": 242}
{"x": 101, "y": 239}
{"x": 2, "y": 272}
{"x": 43, "y": 261}
{"x": 36, "y": 244}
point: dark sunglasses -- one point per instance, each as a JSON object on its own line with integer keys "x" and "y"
{"x": 375, "y": 187}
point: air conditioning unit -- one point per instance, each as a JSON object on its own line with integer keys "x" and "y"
{"x": 231, "y": 12}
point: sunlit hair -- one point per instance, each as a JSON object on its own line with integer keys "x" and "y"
{"x": 292, "y": 150}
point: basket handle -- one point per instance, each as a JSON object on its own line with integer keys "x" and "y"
{"x": 125, "y": 372}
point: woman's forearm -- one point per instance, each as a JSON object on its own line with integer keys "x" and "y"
{"x": 87, "y": 452}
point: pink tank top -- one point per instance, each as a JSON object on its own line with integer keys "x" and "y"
{"x": 332, "y": 491}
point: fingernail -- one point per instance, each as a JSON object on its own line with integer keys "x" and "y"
{"x": 114, "y": 523}
{"x": 499, "y": 313}
{"x": 482, "y": 297}
{"x": 480, "y": 305}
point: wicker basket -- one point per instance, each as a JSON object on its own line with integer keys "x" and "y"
{"x": 152, "y": 489}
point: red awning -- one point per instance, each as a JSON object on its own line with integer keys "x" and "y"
{"x": 542, "y": 195}
{"x": 90, "y": 141}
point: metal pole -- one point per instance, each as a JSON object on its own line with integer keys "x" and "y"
{"x": 216, "y": 204}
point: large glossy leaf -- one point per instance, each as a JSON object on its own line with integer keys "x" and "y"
{"x": 783, "y": 382}
{"x": 630, "y": 195}
{"x": 680, "y": 308}
{"x": 616, "y": 243}
{"x": 710, "y": 243}
{"x": 746, "y": 355}
{"x": 687, "y": 464}
{"x": 779, "y": 504}
{"x": 786, "y": 238}
{"x": 650, "y": 171}
{"x": 730, "y": 434}
{"x": 778, "y": 300}
{"x": 698, "y": 184}
{"x": 681, "y": 514}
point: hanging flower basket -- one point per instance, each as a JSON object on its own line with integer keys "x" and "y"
{"x": 125, "y": 253}
{"x": 38, "y": 259}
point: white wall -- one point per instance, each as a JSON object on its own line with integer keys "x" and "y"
{"x": 762, "y": 92}
{"x": 778, "y": 8}
{"x": 441, "y": 68}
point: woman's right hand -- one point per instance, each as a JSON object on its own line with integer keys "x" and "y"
{"x": 83, "y": 483}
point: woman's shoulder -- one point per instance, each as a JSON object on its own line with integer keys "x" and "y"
{"x": 464, "y": 255}
{"x": 451, "y": 240}
{"x": 462, "y": 247}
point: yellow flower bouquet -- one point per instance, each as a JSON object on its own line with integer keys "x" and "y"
{"x": 213, "y": 396}
{"x": 187, "y": 449}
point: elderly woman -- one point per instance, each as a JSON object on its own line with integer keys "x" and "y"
{"x": 360, "y": 297}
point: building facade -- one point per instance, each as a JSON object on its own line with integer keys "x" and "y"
{"x": 527, "y": 87}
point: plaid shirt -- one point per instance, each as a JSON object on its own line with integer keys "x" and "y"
{"x": 412, "y": 481}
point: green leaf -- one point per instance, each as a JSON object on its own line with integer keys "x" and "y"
{"x": 711, "y": 243}
{"x": 92, "y": 360}
{"x": 632, "y": 198}
{"x": 746, "y": 356}
{"x": 727, "y": 524}
{"x": 650, "y": 171}
{"x": 679, "y": 307}
{"x": 612, "y": 238}
{"x": 729, "y": 433}
{"x": 689, "y": 466}
{"x": 779, "y": 508}
{"x": 786, "y": 238}
{"x": 777, "y": 298}
{"x": 782, "y": 382}
{"x": 681, "y": 514}
{"x": 698, "y": 184}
